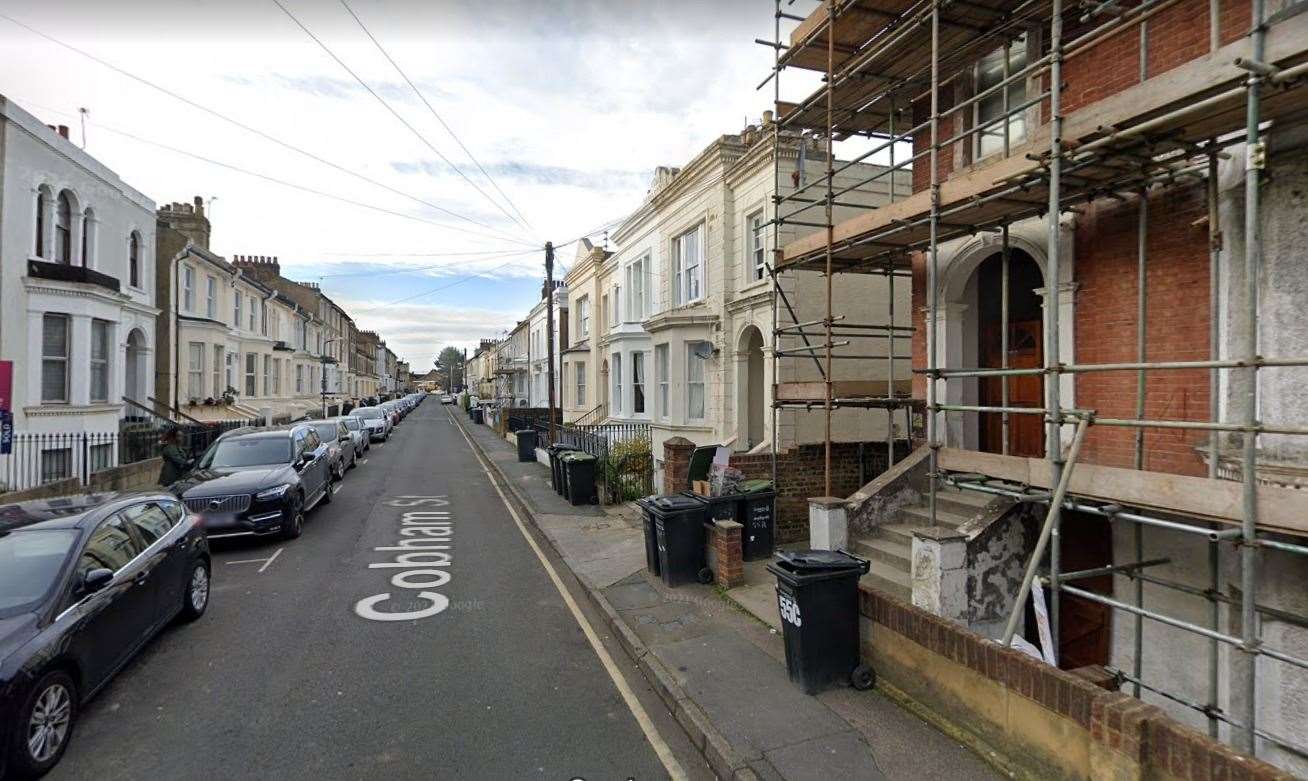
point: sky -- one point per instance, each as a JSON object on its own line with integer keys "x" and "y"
{"x": 567, "y": 107}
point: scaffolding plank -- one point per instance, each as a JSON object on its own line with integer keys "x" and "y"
{"x": 1279, "y": 509}
{"x": 1287, "y": 44}
{"x": 816, "y": 391}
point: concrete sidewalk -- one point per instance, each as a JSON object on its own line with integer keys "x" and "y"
{"x": 719, "y": 668}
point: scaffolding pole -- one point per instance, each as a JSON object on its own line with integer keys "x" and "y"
{"x": 933, "y": 287}
{"x": 1054, "y": 447}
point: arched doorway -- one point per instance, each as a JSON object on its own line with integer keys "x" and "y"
{"x": 134, "y": 372}
{"x": 751, "y": 389}
{"x": 1025, "y": 351}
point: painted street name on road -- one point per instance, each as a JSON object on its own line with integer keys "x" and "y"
{"x": 423, "y": 556}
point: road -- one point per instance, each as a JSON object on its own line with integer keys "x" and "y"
{"x": 285, "y": 677}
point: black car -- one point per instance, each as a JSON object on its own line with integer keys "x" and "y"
{"x": 259, "y": 482}
{"x": 85, "y": 582}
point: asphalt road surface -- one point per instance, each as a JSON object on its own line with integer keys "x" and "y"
{"x": 291, "y": 675}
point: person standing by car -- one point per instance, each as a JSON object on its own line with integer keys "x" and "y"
{"x": 347, "y": 406}
{"x": 175, "y": 460}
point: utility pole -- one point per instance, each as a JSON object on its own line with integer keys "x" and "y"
{"x": 549, "y": 331}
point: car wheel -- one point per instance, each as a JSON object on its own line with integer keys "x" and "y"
{"x": 45, "y": 725}
{"x": 293, "y": 526}
{"x": 354, "y": 459}
{"x": 195, "y": 596}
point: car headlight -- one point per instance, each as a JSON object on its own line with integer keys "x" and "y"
{"x": 273, "y": 493}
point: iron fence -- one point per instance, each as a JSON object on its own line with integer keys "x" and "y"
{"x": 36, "y": 459}
{"x": 624, "y": 452}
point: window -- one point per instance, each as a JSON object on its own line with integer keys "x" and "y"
{"x": 687, "y": 267}
{"x": 581, "y": 384}
{"x": 661, "y": 370}
{"x": 64, "y": 228}
{"x": 41, "y": 203}
{"x": 583, "y": 317}
{"x": 299, "y": 378}
{"x": 617, "y": 305}
{"x": 100, "y": 360}
{"x": 1003, "y": 129}
{"x": 277, "y": 376}
{"x": 88, "y": 237}
{"x": 267, "y": 375}
{"x": 150, "y": 521}
{"x": 236, "y": 310}
{"x": 111, "y": 547}
{"x": 637, "y": 306}
{"x": 100, "y": 457}
{"x": 56, "y": 464}
{"x": 617, "y": 382}
{"x": 218, "y": 366}
{"x": 638, "y": 383}
{"x": 211, "y": 298}
{"x": 251, "y": 369}
{"x": 604, "y": 314}
{"x": 195, "y": 370}
{"x": 188, "y": 288}
{"x": 134, "y": 259}
{"x": 253, "y": 306}
{"x": 263, "y": 317}
{"x": 54, "y": 358}
{"x": 755, "y": 238}
{"x": 694, "y": 382}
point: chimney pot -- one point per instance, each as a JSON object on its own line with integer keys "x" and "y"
{"x": 767, "y": 118}
{"x": 63, "y": 131}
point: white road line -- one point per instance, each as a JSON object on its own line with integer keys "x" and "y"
{"x": 637, "y": 710}
{"x": 361, "y": 461}
{"x": 271, "y": 559}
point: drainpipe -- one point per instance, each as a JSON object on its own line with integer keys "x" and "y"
{"x": 177, "y": 329}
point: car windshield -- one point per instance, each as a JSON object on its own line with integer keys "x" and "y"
{"x": 30, "y": 562}
{"x": 249, "y": 451}
{"x": 351, "y": 423}
{"x": 370, "y": 413}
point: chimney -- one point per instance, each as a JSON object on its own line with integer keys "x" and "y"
{"x": 767, "y": 119}
{"x": 63, "y": 131}
{"x": 199, "y": 206}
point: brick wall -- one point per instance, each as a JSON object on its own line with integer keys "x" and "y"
{"x": 1176, "y": 317}
{"x": 1046, "y": 722}
{"x": 138, "y": 476}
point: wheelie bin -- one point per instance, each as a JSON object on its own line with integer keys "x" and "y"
{"x": 526, "y": 444}
{"x": 817, "y": 595}
{"x": 679, "y": 539}
{"x": 647, "y": 512}
{"x": 758, "y": 516}
{"x": 580, "y": 481}
{"x": 556, "y": 452}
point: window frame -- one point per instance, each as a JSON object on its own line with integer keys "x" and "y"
{"x": 755, "y": 246}
{"x": 63, "y": 225}
{"x": 101, "y": 365}
{"x": 1006, "y": 138}
{"x": 662, "y": 370}
{"x": 616, "y": 364}
{"x": 691, "y": 383}
{"x": 211, "y": 296}
{"x": 581, "y": 383}
{"x": 638, "y": 382}
{"x": 134, "y": 260}
{"x": 219, "y": 363}
{"x": 195, "y": 370}
{"x": 62, "y": 360}
{"x": 688, "y": 288}
{"x": 188, "y": 288}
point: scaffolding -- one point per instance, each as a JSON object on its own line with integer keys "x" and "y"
{"x": 881, "y": 59}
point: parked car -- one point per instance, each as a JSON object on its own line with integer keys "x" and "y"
{"x": 259, "y": 483}
{"x": 376, "y": 421}
{"x": 362, "y": 442}
{"x": 85, "y": 582}
{"x": 340, "y": 446}
{"x": 447, "y": 399}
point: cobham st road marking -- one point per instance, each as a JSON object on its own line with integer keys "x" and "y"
{"x": 422, "y": 556}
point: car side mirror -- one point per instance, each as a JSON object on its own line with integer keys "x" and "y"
{"x": 96, "y": 580}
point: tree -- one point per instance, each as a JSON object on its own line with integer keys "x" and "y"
{"x": 450, "y": 364}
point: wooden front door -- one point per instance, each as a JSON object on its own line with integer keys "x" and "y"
{"x": 1025, "y": 351}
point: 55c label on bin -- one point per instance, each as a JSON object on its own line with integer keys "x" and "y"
{"x": 789, "y": 610}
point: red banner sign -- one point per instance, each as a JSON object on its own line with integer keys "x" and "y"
{"x": 6, "y": 385}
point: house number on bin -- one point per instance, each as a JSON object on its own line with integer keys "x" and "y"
{"x": 789, "y": 610}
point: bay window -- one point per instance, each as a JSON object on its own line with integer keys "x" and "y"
{"x": 100, "y": 353}
{"x": 694, "y": 382}
{"x": 54, "y": 358}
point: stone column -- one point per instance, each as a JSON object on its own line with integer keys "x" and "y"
{"x": 939, "y": 566}
{"x": 828, "y": 523}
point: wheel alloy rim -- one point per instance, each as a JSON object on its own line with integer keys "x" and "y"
{"x": 199, "y": 588}
{"x": 48, "y": 727}
{"x": 299, "y": 520}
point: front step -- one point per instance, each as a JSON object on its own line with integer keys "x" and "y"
{"x": 892, "y": 581}
{"x": 882, "y": 550}
{"x": 921, "y": 516}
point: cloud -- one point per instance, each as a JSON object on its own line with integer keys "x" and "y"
{"x": 536, "y": 174}
{"x": 418, "y": 332}
{"x": 337, "y": 88}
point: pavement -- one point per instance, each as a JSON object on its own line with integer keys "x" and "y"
{"x": 290, "y": 676}
{"x": 717, "y": 659}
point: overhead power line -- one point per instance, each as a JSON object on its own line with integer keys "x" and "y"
{"x": 415, "y": 269}
{"x": 437, "y": 115}
{"x": 439, "y": 288}
{"x": 398, "y": 116}
{"x": 256, "y": 131}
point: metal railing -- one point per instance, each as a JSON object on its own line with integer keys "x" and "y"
{"x": 624, "y": 452}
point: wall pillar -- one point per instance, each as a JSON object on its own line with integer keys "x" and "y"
{"x": 939, "y": 572}
{"x": 726, "y": 555}
{"x": 828, "y": 523}
{"x": 676, "y": 464}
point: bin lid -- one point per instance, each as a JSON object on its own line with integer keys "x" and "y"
{"x": 673, "y": 502}
{"x": 754, "y": 486}
{"x": 577, "y": 455}
{"x": 520, "y": 432}
{"x": 700, "y": 462}
{"x": 819, "y": 560}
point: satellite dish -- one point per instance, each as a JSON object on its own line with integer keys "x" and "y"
{"x": 703, "y": 350}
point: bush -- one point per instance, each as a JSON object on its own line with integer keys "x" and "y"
{"x": 626, "y": 470}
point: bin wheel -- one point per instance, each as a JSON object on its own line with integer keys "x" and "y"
{"x": 706, "y": 576}
{"x": 863, "y": 677}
